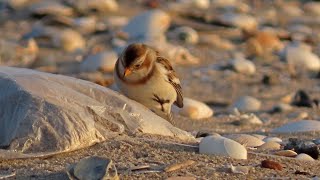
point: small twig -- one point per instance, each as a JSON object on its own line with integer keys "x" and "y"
{"x": 177, "y": 166}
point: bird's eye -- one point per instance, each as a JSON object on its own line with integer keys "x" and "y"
{"x": 137, "y": 66}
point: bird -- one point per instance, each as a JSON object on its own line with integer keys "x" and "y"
{"x": 145, "y": 76}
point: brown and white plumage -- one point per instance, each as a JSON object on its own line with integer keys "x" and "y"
{"x": 143, "y": 75}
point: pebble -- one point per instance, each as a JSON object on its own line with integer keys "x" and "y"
{"x": 299, "y": 57}
{"x": 246, "y": 140}
{"x": 50, "y": 8}
{"x": 286, "y": 153}
{"x": 69, "y": 40}
{"x": 302, "y": 99}
{"x": 243, "y": 66}
{"x": 104, "y": 61}
{"x": 259, "y": 136}
{"x": 273, "y": 139}
{"x": 304, "y": 157}
{"x": 194, "y": 109}
{"x": 186, "y": 34}
{"x": 150, "y": 25}
{"x": 248, "y": 119}
{"x": 242, "y": 21}
{"x": 270, "y": 146}
{"x": 303, "y": 146}
{"x": 247, "y": 104}
{"x": 239, "y": 169}
{"x": 92, "y": 168}
{"x": 299, "y": 127}
{"x": 271, "y": 165}
{"x": 222, "y": 146}
{"x": 281, "y": 107}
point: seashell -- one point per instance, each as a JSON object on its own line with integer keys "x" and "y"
{"x": 272, "y": 139}
{"x": 271, "y": 165}
{"x": 299, "y": 57}
{"x": 304, "y": 157}
{"x": 222, "y": 146}
{"x": 299, "y": 127}
{"x": 150, "y": 25}
{"x": 286, "y": 153}
{"x": 243, "y": 66}
{"x": 186, "y": 34}
{"x": 51, "y": 8}
{"x": 271, "y": 145}
{"x": 242, "y": 21}
{"x": 247, "y": 104}
{"x": 69, "y": 40}
{"x": 102, "y": 6}
{"x": 194, "y": 109}
{"x": 248, "y": 119}
{"x": 245, "y": 139}
{"x": 104, "y": 61}
{"x": 239, "y": 169}
{"x": 93, "y": 168}
{"x": 259, "y": 136}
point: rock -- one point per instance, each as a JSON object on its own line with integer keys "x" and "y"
{"x": 271, "y": 145}
{"x": 102, "y": 6}
{"x": 302, "y": 99}
{"x": 271, "y": 165}
{"x": 242, "y": 21}
{"x": 271, "y": 79}
{"x": 281, "y": 107}
{"x": 286, "y": 153}
{"x": 247, "y": 104}
{"x": 245, "y": 139}
{"x": 239, "y": 169}
{"x": 273, "y": 139}
{"x": 302, "y": 146}
{"x": 222, "y": 146}
{"x": 243, "y": 66}
{"x": 304, "y": 157}
{"x": 92, "y": 168}
{"x": 77, "y": 112}
{"x": 148, "y": 26}
{"x": 104, "y": 61}
{"x": 194, "y": 109}
{"x": 247, "y": 119}
{"x": 186, "y": 34}
{"x": 50, "y": 8}
{"x": 299, "y": 57}
{"x": 69, "y": 40}
{"x": 299, "y": 127}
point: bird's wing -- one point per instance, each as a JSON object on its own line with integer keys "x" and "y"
{"x": 172, "y": 79}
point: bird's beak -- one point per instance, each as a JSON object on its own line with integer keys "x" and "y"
{"x": 127, "y": 71}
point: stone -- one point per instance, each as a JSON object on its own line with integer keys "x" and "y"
{"x": 69, "y": 40}
{"x": 242, "y": 21}
{"x": 247, "y": 119}
{"x": 92, "y": 168}
{"x": 79, "y": 114}
{"x": 186, "y": 34}
{"x": 243, "y": 66}
{"x": 103, "y": 61}
{"x": 194, "y": 109}
{"x": 245, "y": 139}
{"x": 304, "y": 157}
{"x": 299, "y": 127}
{"x": 222, "y": 146}
{"x": 271, "y": 165}
{"x": 281, "y": 107}
{"x": 247, "y": 104}
{"x": 303, "y": 146}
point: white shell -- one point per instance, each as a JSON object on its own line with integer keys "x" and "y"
{"x": 273, "y": 139}
{"x": 271, "y": 145}
{"x": 247, "y": 104}
{"x": 194, "y": 109}
{"x": 242, "y": 21}
{"x": 286, "y": 153}
{"x": 101, "y": 61}
{"x": 259, "y": 136}
{"x": 246, "y": 140}
{"x": 304, "y": 157}
{"x": 222, "y": 146}
{"x": 301, "y": 58}
{"x": 243, "y": 66}
{"x": 186, "y": 34}
{"x": 150, "y": 25}
{"x": 298, "y": 127}
{"x": 69, "y": 40}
